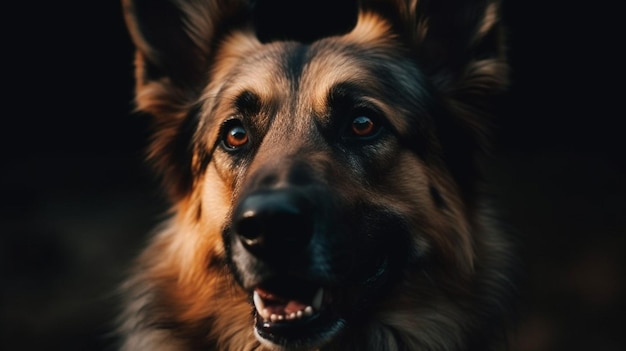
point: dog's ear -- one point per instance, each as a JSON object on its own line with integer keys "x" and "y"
{"x": 458, "y": 44}
{"x": 175, "y": 44}
{"x": 446, "y": 36}
{"x": 174, "y": 41}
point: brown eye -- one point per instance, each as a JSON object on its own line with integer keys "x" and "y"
{"x": 363, "y": 126}
{"x": 235, "y": 136}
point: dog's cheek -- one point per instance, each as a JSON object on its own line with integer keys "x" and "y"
{"x": 430, "y": 202}
{"x": 420, "y": 217}
{"x": 218, "y": 198}
{"x": 214, "y": 208}
{"x": 390, "y": 240}
{"x": 191, "y": 262}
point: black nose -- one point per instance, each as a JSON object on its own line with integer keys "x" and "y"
{"x": 273, "y": 224}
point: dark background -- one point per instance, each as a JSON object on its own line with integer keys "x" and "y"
{"x": 77, "y": 201}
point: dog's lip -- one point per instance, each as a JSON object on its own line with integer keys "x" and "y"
{"x": 273, "y": 307}
{"x": 306, "y": 313}
{"x": 292, "y": 311}
{"x": 288, "y": 299}
{"x": 309, "y": 332}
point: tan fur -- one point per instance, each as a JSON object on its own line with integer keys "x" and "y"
{"x": 182, "y": 295}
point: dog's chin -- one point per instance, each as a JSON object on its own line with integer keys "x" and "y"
{"x": 306, "y": 333}
{"x": 291, "y": 314}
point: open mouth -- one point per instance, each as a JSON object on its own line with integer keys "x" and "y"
{"x": 293, "y": 312}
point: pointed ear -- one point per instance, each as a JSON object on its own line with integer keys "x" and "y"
{"x": 448, "y": 37}
{"x": 459, "y": 45}
{"x": 175, "y": 42}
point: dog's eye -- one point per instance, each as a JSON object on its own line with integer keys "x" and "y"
{"x": 234, "y": 135}
{"x": 363, "y": 126}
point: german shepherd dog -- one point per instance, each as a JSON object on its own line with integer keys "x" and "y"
{"x": 326, "y": 192}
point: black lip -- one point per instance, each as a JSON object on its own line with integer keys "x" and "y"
{"x": 309, "y": 332}
{"x": 320, "y": 328}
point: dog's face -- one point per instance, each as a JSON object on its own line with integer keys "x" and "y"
{"x": 318, "y": 148}
{"x": 320, "y": 173}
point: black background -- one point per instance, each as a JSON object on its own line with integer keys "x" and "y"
{"x": 77, "y": 201}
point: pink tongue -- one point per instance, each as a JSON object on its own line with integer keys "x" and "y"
{"x": 279, "y": 305}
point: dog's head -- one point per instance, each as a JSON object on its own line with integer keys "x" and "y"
{"x": 323, "y": 173}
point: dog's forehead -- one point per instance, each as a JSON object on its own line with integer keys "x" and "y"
{"x": 333, "y": 63}
{"x": 287, "y": 68}
{"x": 299, "y": 78}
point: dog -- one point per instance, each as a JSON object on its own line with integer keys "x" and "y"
{"x": 326, "y": 189}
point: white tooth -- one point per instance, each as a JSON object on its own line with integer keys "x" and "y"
{"x": 299, "y": 314}
{"x": 308, "y": 311}
{"x": 317, "y": 300}
{"x": 273, "y": 317}
{"x": 281, "y": 317}
{"x": 265, "y": 314}
{"x": 258, "y": 303}
{"x": 292, "y": 315}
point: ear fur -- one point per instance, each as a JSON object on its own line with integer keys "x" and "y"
{"x": 459, "y": 44}
{"x": 175, "y": 42}
{"x": 445, "y": 35}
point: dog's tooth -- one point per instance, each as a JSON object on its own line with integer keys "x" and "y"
{"x": 265, "y": 314}
{"x": 273, "y": 317}
{"x": 317, "y": 300}
{"x": 258, "y": 303}
{"x": 299, "y": 314}
{"x": 308, "y": 311}
{"x": 281, "y": 317}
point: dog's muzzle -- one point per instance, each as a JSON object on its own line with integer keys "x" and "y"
{"x": 309, "y": 260}
{"x": 275, "y": 228}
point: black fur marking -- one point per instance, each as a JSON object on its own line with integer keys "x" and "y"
{"x": 437, "y": 198}
{"x": 180, "y": 154}
{"x": 248, "y": 103}
{"x": 294, "y": 64}
{"x": 342, "y": 99}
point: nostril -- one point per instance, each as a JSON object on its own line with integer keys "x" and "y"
{"x": 250, "y": 229}
{"x": 274, "y": 222}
